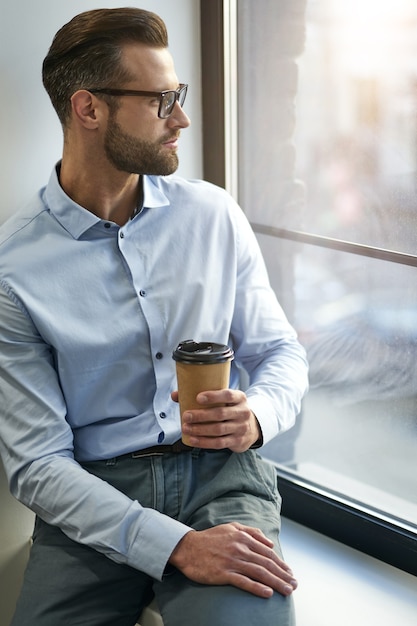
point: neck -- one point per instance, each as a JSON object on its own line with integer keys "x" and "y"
{"x": 109, "y": 194}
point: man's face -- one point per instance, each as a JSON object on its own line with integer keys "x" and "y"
{"x": 136, "y": 140}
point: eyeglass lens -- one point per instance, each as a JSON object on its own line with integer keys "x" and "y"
{"x": 169, "y": 99}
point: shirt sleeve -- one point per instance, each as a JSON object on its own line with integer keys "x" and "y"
{"x": 40, "y": 465}
{"x": 266, "y": 344}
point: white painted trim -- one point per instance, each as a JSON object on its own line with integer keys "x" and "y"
{"x": 230, "y": 96}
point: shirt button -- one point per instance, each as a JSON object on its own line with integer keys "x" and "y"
{"x": 142, "y": 293}
{"x": 122, "y": 235}
{"x": 159, "y": 356}
{"x": 107, "y": 225}
{"x": 162, "y": 415}
{"x": 161, "y": 437}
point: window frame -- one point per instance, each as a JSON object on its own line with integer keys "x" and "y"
{"x": 352, "y": 523}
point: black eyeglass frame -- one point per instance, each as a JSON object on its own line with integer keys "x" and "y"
{"x": 179, "y": 96}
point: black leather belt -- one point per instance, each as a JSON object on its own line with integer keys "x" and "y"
{"x": 174, "y": 448}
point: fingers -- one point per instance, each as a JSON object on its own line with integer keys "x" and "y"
{"x": 221, "y": 396}
{"x": 266, "y": 565}
{"x": 219, "y": 435}
{"x": 233, "y": 426}
{"x": 260, "y": 582}
{"x": 224, "y": 421}
{"x": 256, "y": 533}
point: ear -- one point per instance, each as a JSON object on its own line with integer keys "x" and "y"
{"x": 87, "y": 109}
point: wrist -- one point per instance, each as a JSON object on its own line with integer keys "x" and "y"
{"x": 181, "y": 550}
{"x": 259, "y": 437}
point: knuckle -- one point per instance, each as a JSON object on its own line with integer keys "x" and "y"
{"x": 229, "y": 395}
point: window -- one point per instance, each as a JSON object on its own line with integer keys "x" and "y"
{"x": 326, "y": 146}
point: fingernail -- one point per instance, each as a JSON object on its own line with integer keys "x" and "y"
{"x": 288, "y": 589}
{"x": 202, "y": 399}
{"x": 267, "y": 592}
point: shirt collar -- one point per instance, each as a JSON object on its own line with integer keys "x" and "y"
{"x": 76, "y": 219}
{"x": 153, "y": 196}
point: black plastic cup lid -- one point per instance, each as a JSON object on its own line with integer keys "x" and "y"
{"x": 202, "y": 353}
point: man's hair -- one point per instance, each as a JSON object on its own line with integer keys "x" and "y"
{"x": 86, "y": 52}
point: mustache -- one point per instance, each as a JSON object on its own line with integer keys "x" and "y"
{"x": 168, "y": 138}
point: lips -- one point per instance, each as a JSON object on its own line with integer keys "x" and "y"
{"x": 172, "y": 142}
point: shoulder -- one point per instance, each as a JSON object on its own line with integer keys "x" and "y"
{"x": 201, "y": 199}
{"x": 208, "y": 206}
{"x": 18, "y": 224}
{"x": 19, "y": 235}
{"x": 203, "y": 192}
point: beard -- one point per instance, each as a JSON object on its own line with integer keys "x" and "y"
{"x": 135, "y": 156}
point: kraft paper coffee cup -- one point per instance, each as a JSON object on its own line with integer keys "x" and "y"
{"x": 201, "y": 366}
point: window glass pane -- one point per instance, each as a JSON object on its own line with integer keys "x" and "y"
{"x": 354, "y": 117}
{"x": 357, "y": 433}
{"x": 328, "y": 146}
{"x": 356, "y": 121}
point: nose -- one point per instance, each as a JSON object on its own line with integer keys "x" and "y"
{"x": 178, "y": 118}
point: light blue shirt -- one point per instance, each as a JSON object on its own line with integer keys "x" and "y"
{"x": 90, "y": 313}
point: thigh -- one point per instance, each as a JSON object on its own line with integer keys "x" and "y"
{"x": 225, "y": 487}
{"x": 183, "y": 603}
{"x": 68, "y": 583}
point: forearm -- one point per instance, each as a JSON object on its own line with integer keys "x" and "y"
{"x": 276, "y": 388}
{"x": 265, "y": 344}
{"x": 93, "y": 512}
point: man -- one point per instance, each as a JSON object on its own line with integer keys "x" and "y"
{"x": 111, "y": 266}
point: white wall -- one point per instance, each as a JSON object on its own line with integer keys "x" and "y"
{"x": 30, "y": 144}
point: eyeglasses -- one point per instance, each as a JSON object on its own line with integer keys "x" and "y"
{"x": 167, "y": 99}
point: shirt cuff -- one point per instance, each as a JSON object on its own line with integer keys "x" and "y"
{"x": 158, "y": 536}
{"x": 266, "y": 417}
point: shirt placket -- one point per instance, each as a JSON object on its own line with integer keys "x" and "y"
{"x": 165, "y": 410}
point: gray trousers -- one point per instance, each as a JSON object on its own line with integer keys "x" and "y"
{"x": 73, "y": 585}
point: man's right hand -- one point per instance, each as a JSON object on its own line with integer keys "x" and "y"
{"x": 233, "y": 554}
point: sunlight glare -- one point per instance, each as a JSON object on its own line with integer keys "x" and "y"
{"x": 370, "y": 35}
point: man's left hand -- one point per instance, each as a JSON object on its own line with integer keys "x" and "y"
{"x": 232, "y": 425}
